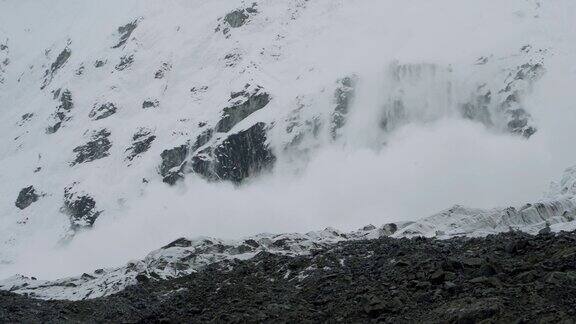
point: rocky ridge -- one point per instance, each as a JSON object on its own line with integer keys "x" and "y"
{"x": 511, "y": 277}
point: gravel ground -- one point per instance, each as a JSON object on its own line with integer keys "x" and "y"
{"x": 509, "y": 278}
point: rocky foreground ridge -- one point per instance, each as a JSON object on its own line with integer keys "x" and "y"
{"x": 509, "y": 277}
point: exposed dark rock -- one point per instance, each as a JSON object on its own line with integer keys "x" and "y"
{"x": 27, "y": 197}
{"x": 519, "y": 120}
{"x": 518, "y": 117}
{"x": 99, "y": 63}
{"x": 173, "y": 164}
{"x": 125, "y": 32}
{"x": 95, "y": 149}
{"x": 62, "y": 113}
{"x": 4, "y": 63}
{"x": 150, "y": 103}
{"x": 125, "y": 62}
{"x": 141, "y": 142}
{"x": 236, "y": 19}
{"x": 25, "y": 118}
{"x": 244, "y": 105}
{"x": 181, "y": 242}
{"x": 390, "y": 228}
{"x": 56, "y": 65}
{"x": 162, "y": 70}
{"x": 239, "y": 156}
{"x": 384, "y": 280}
{"x": 102, "y": 111}
{"x": 80, "y": 207}
{"x": 343, "y": 97}
{"x": 202, "y": 139}
{"x": 80, "y": 70}
{"x": 232, "y": 59}
{"x": 197, "y": 92}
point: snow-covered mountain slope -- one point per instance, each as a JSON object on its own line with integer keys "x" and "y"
{"x": 107, "y": 102}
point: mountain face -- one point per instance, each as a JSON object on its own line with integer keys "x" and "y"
{"x": 102, "y": 101}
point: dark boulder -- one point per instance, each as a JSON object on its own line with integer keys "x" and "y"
{"x": 141, "y": 142}
{"x": 99, "y": 63}
{"x": 150, "y": 103}
{"x": 80, "y": 207}
{"x": 343, "y": 97}
{"x": 238, "y": 157}
{"x": 56, "y": 65}
{"x": 181, "y": 242}
{"x": 26, "y": 197}
{"x": 173, "y": 164}
{"x": 244, "y": 105}
{"x": 62, "y": 113}
{"x": 25, "y": 118}
{"x": 125, "y": 32}
{"x": 161, "y": 72}
{"x": 236, "y": 19}
{"x": 202, "y": 139}
{"x": 98, "y": 147}
{"x": 125, "y": 62}
{"x": 102, "y": 111}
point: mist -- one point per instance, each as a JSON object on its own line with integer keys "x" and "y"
{"x": 424, "y": 169}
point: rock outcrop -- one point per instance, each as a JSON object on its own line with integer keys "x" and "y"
{"x": 80, "y": 207}
{"x": 96, "y": 148}
{"x": 244, "y": 104}
{"x": 63, "y": 110}
{"x": 26, "y": 197}
{"x": 238, "y": 157}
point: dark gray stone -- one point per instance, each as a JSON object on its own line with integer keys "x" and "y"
{"x": 238, "y": 157}
{"x": 56, "y": 65}
{"x": 62, "y": 113}
{"x": 95, "y": 149}
{"x": 125, "y": 33}
{"x": 80, "y": 207}
{"x": 247, "y": 105}
{"x": 161, "y": 72}
{"x": 202, "y": 139}
{"x": 25, "y": 118}
{"x": 99, "y": 63}
{"x": 102, "y": 111}
{"x": 125, "y": 62}
{"x": 173, "y": 164}
{"x": 150, "y": 103}
{"x": 80, "y": 70}
{"x": 141, "y": 142}
{"x": 26, "y": 197}
{"x": 236, "y": 18}
{"x": 181, "y": 242}
{"x": 343, "y": 96}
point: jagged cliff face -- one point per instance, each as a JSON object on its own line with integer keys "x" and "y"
{"x": 101, "y": 100}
